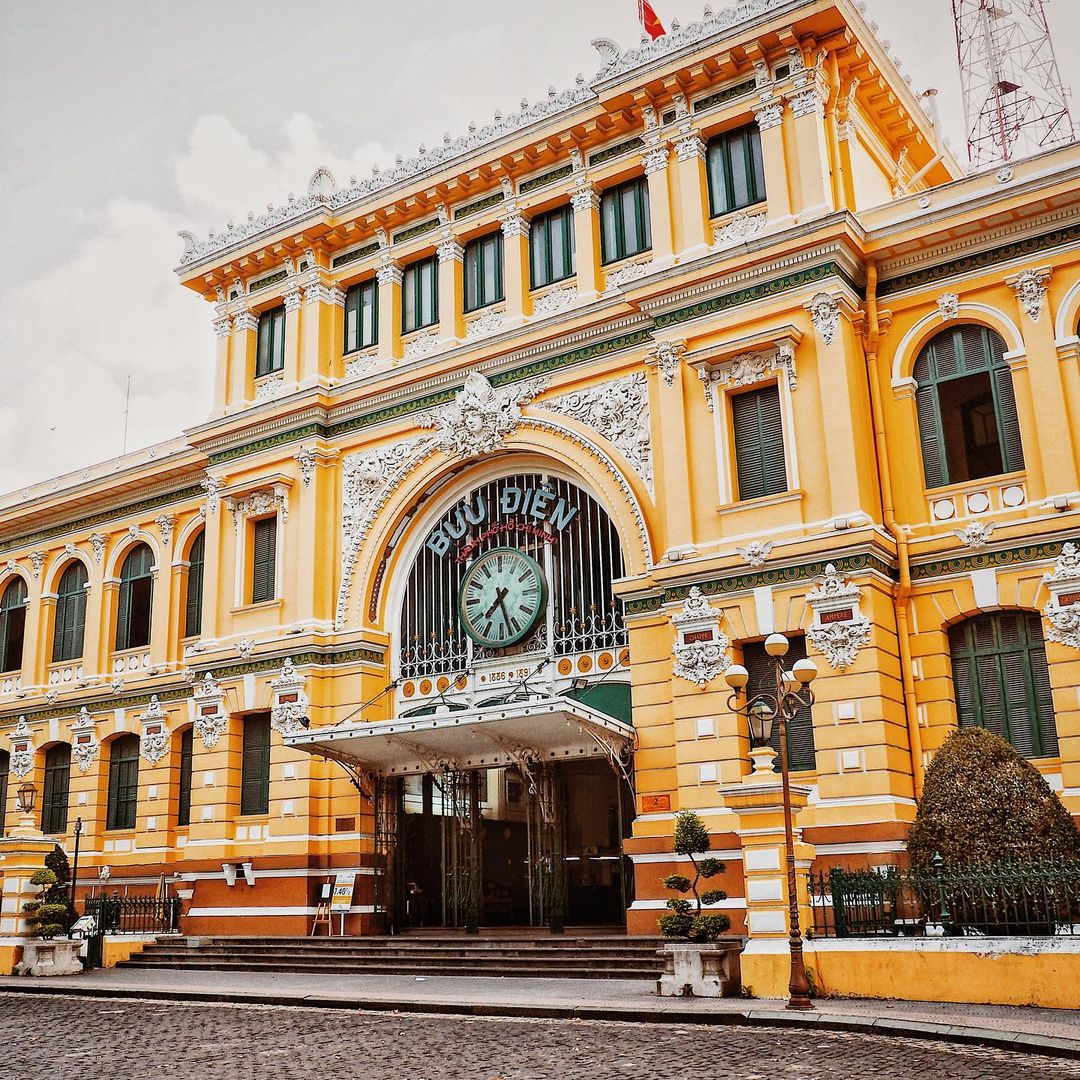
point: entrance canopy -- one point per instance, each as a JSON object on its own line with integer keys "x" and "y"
{"x": 546, "y": 732}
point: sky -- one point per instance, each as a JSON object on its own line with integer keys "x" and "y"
{"x": 123, "y": 121}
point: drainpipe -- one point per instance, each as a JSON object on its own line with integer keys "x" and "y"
{"x": 903, "y": 556}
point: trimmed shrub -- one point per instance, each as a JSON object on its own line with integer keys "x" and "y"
{"x": 685, "y": 918}
{"x": 983, "y": 803}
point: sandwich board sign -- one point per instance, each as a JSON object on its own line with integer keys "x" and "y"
{"x": 341, "y": 897}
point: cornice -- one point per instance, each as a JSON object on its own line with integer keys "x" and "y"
{"x": 1024, "y": 554}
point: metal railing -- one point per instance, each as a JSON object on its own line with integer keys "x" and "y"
{"x": 135, "y": 914}
{"x": 993, "y": 900}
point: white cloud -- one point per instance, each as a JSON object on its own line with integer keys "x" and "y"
{"x": 113, "y": 307}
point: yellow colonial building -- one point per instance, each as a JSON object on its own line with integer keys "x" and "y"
{"x": 515, "y": 447}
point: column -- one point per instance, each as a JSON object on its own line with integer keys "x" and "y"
{"x": 389, "y": 277}
{"x": 223, "y": 334}
{"x": 451, "y": 289}
{"x": 812, "y": 154}
{"x": 1047, "y": 390}
{"x": 320, "y": 345}
{"x": 213, "y": 597}
{"x": 693, "y": 189}
{"x": 656, "y": 172}
{"x": 770, "y": 121}
{"x": 516, "y": 282}
{"x": 161, "y": 611}
{"x": 669, "y": 442}
{"x": 36, "y": 620}
{"x": 586, "y": 203}
{"x": 291, "y": 372}
{"x": 758, "y": 802}
{"x": 242, "y": 363}
{"x": 96, "y": 629}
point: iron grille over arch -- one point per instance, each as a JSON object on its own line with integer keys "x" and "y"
{"x": 582, "y": 613}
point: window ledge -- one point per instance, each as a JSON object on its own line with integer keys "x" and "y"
{"x": 743, "y": 211}
{"x": 765, "y": 500}
{"x": 262, "y": 605}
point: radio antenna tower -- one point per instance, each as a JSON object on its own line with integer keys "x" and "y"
{"x": 1014, "y": 100}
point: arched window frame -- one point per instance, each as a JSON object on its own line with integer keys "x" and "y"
{"x": 13, "y": 601}
{"x": 193, "y": 594}
{"x": 1001, "y": 686}
{"x": 69, "y": 624}
{"x": 929, "y": 376}
{"x": 56, "y": 789}
{"x": 132, "y": 574}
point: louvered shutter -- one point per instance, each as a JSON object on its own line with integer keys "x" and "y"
{"x": 930, "y": 433}
{"x": 194, "y": 599}
{"x": 759, "y": 443}
{"x": 263, "y": 568}
{"x": 187, "y": 750}
{"x": 5, "y": 768}
{"x": 1012, "y": 448}
{"x": 255, "y": 766}
{"x": 123, "y": 615}
{"x": 1044, "y": 720}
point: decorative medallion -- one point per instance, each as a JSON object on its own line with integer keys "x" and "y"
{"x": 756, "y": 553}
{"x": 1030, "y": 289}
{"x": 701, "y": 647}
{"x": 839, "y": 629}
{"x": 668, "y": 357}
{"x": 97, "y": 542}
{"x": 305, "y": 458}
{"x": 1063, "y": 611}
{"x": 825, "y": 315}
{"x": 554, "y": 301}
{"x": 84, "y": 742}
{"x": 948, "y": 306}
{"x": 154, "y": 743}
{"x": 976, "y": 535}
{"x": 210, "y": 716}
{"x": 289, "y": 711}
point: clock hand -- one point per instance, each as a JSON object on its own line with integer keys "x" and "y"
{"x": 500, "y": 596}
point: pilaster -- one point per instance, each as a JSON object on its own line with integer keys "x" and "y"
{"x": 242, "y": 352}
{"x": 293, "y": 359}
{"x": 811, "y": 148}
{"x": 669, "y": 441}
{"x": 223, "y": 334}
{"x": 774, "y": 156}
{"x": 693, "y": 192}
{"x": 451, "y": 288}
{"x": 586, "y": 203}
{"x": 389, "y": 277}
{"x": 515, "y": 227}
{"x": 655, "y": 161}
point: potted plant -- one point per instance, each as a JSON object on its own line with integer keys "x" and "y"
{"x": 695, "y": 963}
{"x": 46, "y": 952}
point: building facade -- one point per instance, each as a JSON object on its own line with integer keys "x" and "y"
{"x": 516, "y": 446}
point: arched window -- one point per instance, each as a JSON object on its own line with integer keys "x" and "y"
{"x": 5, "y": 772}
{"x": 194, "y": 601}
{"x": 12, "y": 624}
{"x": 136, "y": 599}
{"x": 967, "y": 410}
{"x": 1002, "y": 682}
{"x": 70, "y": 614}
{"x": 123, "y": 782}
{"x": 54, "y": 797}
{"x": 187, "y": 757}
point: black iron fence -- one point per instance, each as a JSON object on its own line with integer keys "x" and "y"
{"x": 135, "y": 914}
{"x": 1002, "y": 899}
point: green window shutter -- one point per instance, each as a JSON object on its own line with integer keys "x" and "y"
{"x": 123, "y": 782}
{"x": 420, "y": 295}
{"x": 759, "y": 443}
{"x": 1002, "y": 681}
{"x": 551, "y": 247}
{"x": 270, "y": 347}
{"x": 255, "y": 766}
{"x": 135, "y": 599}
{"x": 12, "y": 625}
{"x": 800, "y": 730}
{"x": 264, "y": 560}
{"x": 930, "y": 434}
{"x": 123, "y": 615}
{"x": 483, "y": 271}
{"x": 361, "y": 316}
{"x": 56, "y": 789}
{"x": 187, "y": 754}
{"x": 70, "y": 624}
{"x": 735, "y": 170}
{"x": 193, "y": 603}
{"x": 1012, "y": 448}
{"x": 625, "y": 227}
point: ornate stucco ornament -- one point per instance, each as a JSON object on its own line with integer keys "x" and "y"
{"x": 668, "y": 358}
{"x": 825, "y": 315}
{"x": 210, "y": 715}
{"x": 948, "y": 306}
{"x": 490, "y": 322}
{"x": 1030, "y": 289}
{"x": 701, "y": 647}
{"x": 21, "y": 759}
{"x": 154, "y": 742}
{"x": 97, "y": 542}
{"x": 481, "y": 416}
{"x": 1063, "y": 610}
{"x": 165, "y": 524}
{"x": 305, "y": 458}
{"x": 627, "y": 273}
{"x": 839, "y": 629}
{"x": 257, "y": 503}
{"x": 84, "y": 741}
{"x": 245, "y": 649}
{"x": 212, "y": 485}
{"x": 37, "y": 561}
{"x": 739, "y": 229}
{"x": 756, "y": 552}
{"x": 976, "y": 535}
{"x": 619, "y": 411}
{"x": 289, "y": 711}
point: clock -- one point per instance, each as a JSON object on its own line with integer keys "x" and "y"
{"x": 502, "y": 595}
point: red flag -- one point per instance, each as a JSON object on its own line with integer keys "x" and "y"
{"x": 650, "y": 21}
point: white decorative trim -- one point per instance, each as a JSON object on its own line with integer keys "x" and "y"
{"x": 516, "y": 225}
{"x": 1064, "y": 620}
{"x": 480, "y": 417}
{"x": 740, "y": 229}
{"x": 21, "y": 761}
{"x": 166, "y": 523}
{"x": 627, "y": 273}
{"x": 550, "y": 303}
{"x": 97, "y": 542}
{"x": 770, "y": 115}
{"x": 450, "y": 251}
{"x": 289, "y": 711}
{"x": 756, "y": 553}
{"x": 667, "y": 356}
{"x": 421, "y": 344}
{"x": 948, "y": 306}
{"x": 259, "y": 503}
{"x": 210, "y": 725}
{"x": 155, "y": 744}
{"x": 490, "y": 321}
{"x": 976, "y": 535}
{"x": 212, "y": 485}
{"x": 269, "y": 387}
{"x": 840, "y": 640}
{"x": 84, "y": 753}
{"x": 37, "y": 561}
{"x": 585, "y": 198}
{"x": 690, "y": 147}
{"x": 825, "y": 315}
{"x": 305, "y": 458}
{"x": 656, "y": 159}
{"x": 1030, "y": 289}
{"x": 619, "y": 411}
{"x": 699, "y": 660}
{"x": 245, "y": 320}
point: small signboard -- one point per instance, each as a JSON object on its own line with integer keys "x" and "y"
{"x": 653, "y": 804}
{"x": 341, "y": 898}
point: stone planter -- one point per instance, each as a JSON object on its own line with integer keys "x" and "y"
{"x": 59, "y": 956}
{"x": 709, "y": 970}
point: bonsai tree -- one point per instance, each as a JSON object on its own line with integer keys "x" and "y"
{"x": 983, "y": 803}
{"x": 685, "y": 918}
{"x": 44, "y": 917}
{"x": 61, "y": 892}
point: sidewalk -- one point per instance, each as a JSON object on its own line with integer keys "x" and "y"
{"x": 1046, "y": 1031}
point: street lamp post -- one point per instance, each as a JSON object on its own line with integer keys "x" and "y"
{"x": 780, "y": 703}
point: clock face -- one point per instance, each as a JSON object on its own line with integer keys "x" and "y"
{"x": 502, "y": 595}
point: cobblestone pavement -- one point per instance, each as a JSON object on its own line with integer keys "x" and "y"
{"x": 127, "y": 1040}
